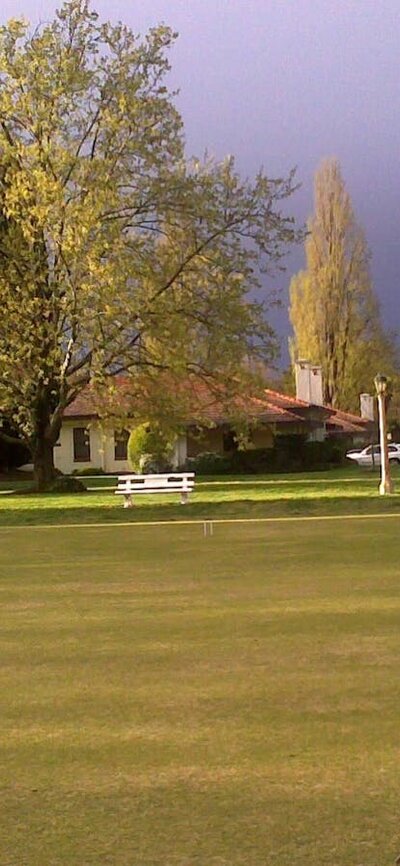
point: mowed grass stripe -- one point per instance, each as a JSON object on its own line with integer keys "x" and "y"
{"x": 202, "y": 521}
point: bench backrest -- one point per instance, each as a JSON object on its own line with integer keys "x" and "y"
{"x": 167, "y": 481}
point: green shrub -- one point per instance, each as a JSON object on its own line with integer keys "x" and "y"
{"x": 293, "y": 453}
{"x": 209, "y": 463}
{"x": 150, "y": 449}
{"x": 97, "y": 470}
{"x": 324, "y": 454}
{"x": 67, "y": 484}
{"x": 290, "y": 453}
{"x": 255, "y": 460}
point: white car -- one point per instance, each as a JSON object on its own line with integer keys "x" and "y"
{"x": 365, "y": 458}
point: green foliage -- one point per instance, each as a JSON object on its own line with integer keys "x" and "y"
{"x": 138, "y": 446}
{"x": 116, "y": 254}
{"x": 66, "y": 484}
{"x": 150, "y": 449}
{"x": 97, "y": 470}
{"x": 209, "y": 463}
{"x": 289, "y": 454}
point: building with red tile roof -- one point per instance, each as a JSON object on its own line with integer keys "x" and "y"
{"x": 90, "y": 439}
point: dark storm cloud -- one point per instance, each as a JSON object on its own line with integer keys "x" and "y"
{"x": 284, "y": 83}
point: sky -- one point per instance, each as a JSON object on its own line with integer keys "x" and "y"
{"x": 284, "y": 83}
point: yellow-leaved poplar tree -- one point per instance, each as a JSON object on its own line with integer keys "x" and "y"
{"x": 333, "y": 309}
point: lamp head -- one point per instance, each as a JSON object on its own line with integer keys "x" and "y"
{"x": 381, "y": 383}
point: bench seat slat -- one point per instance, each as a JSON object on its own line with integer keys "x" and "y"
{"x": 155, "y": 490}
{"x": 167, "y": 475}
{"x": 156, "y": 482}
{"x": 154, "y": 486}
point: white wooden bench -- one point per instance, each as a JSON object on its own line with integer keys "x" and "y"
{"x": 172, "y": 482}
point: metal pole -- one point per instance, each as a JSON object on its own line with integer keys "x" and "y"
{"x": 386, "y": 485}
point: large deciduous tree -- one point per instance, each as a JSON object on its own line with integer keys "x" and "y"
{"x": 334, "y": 312}
{"x": 116, "y": 253}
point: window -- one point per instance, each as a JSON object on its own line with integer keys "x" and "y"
{"x": 121, "y": 444}
{"x": 81, "y": 445}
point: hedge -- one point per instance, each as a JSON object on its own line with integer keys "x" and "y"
{"x": 289, "y": 454}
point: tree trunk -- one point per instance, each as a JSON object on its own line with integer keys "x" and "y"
{"x": 43, "y": 464}
{"x": 47, "y": 425}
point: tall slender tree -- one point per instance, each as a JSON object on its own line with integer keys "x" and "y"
{"x": 116, "y": 253}
{"x": 333, "y": 309}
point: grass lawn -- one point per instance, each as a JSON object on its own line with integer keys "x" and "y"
{"x": 343, "y": 491}
{"x": 175, "y": 700}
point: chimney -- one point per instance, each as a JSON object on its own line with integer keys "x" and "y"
{"x": 367, "y": 407}
{"x": 308, "y": 383}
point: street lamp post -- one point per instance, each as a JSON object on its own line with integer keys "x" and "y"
{"x": 381, "y": 385}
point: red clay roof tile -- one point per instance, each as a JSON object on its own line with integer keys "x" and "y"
{"x": 207, "y": 405}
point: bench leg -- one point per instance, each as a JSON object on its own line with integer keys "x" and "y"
{"x": 184, "y": 498}
{"x": 128, "y": 501}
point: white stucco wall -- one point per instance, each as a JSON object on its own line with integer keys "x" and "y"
{"x": 102, "y": 450}
{"x": 110, "y": 464}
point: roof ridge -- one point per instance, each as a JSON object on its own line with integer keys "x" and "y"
{"x": 347, "y": 414}
{"x": 288, "y": 397}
